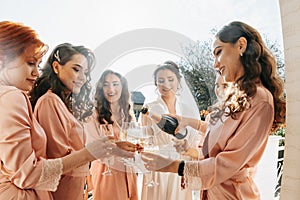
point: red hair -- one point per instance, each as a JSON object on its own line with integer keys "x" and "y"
{"x": 16, "y": 38}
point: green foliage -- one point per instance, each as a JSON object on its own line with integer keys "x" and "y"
{"x": 196, "y": 66}
{"x": 277, "y": 51}
{"x": 280, "y": 132}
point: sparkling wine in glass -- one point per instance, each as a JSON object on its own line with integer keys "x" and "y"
{"x": 124, "y": 130}
{"x": 149, "y": 146}
{"x": 107, "y": 129}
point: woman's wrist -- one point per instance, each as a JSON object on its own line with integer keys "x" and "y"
{"x": 88, "y": 157}
{"x": 176, "y": 166}
{"x": 76, "y": 159}
{"x": 173, "y": 167}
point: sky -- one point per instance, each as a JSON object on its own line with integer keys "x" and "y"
{"x": 92, "y": 22}
{"x": 101, "y": 24}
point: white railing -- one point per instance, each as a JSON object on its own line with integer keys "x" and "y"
{"x": 279, "y": 170}
{"x": 267, "y": 174}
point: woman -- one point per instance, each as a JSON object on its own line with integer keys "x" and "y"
{"x": 60, "y": 99}
{"x": 196, "y": 153}
{"x": 167, "y": 80}
{"x": 25, "y": 171}
{"x": 112, "y": 107}
{"x": 239, "y": 127}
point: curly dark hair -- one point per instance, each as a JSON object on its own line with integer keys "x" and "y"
{"x": 259, "y": 63}
{"x": 80, "y": 105}
{"x": 103, "y": 106}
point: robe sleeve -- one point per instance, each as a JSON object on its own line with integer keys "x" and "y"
{"x": 247, "y": 141}
{"x": 19, "y": 162}
{"x": 91, "y": 128}
{"x": 57, "y": 125}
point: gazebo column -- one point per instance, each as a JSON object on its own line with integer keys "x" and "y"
{"x": 290, "y": 17}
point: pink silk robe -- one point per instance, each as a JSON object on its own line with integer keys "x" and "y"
{"x": 119, "y": 186}
{"x": 235, "y": 148}
{"x": 22, "y": 150}
{"x": 64, "y": 135}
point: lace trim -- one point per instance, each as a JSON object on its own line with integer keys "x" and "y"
{"x": 191, "y": 175}
{"x": 51, "y": 174}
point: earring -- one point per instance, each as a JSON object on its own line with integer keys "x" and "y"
{"x": 241, "y": 54}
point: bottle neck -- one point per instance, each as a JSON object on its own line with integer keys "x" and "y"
{"x": 166, "y": 123}
{"x": 154, "y": 117}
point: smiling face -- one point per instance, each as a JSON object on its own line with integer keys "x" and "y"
{"x": 73, "y": 73}
{"x": 167, "y": 82}
{"x": 227, "y": 60}
{"x": 20, "y": 72}
{"x": 112, "y": 88}
{"x": 21, "y": 52}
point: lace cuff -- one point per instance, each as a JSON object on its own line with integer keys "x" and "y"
{"x": 51, "y": 174}
{"x": 191, "y": 175}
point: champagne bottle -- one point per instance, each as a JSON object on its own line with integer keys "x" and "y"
{"x": 166, "y": 123}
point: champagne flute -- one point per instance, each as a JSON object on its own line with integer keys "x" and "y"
{"x": 128, "y": 162}
{"x": 149, "y": 146}
{"x": 135, "y": 135}
{"x": 124, "y": 130}
{"x": 107, "y": 129}
{"x": 133, "y": 132}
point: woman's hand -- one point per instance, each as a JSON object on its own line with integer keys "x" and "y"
{"x": 180, "y": 145}
{"x": 128, "y": 146}
{"x": 101, "y": 147}
{"x": 194, "y": 153}
{"x": 181, "y": 122}
{"x": 155, "y": 162}
{"x": 124, "y": 149}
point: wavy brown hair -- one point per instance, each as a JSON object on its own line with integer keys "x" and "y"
{"x": 103, "y": 106}
{"x": 259, "y": 64}
{"x": 80, "y": 105}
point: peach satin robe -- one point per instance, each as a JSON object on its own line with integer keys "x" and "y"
{"x": 23, "y": 151}
{"x": 119, "y": 186}
{"x": 235, "y": 148}
{"x": 64, "y": 135}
